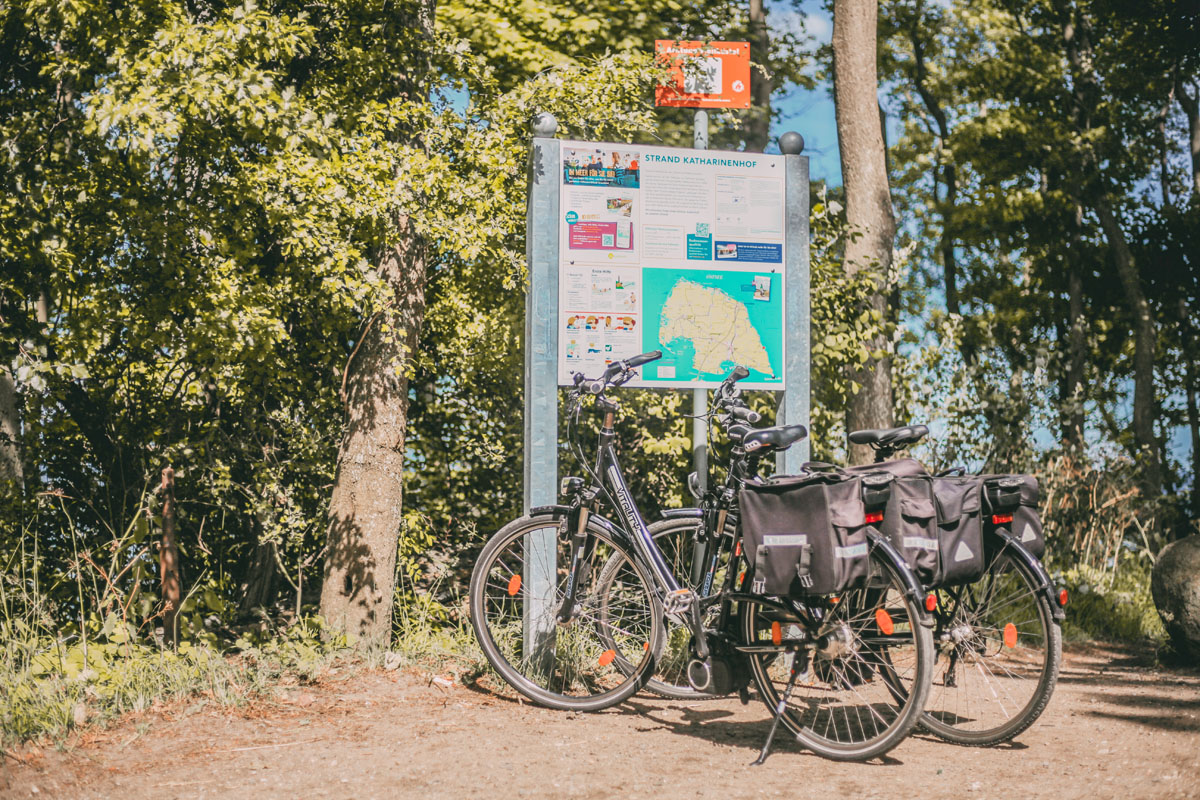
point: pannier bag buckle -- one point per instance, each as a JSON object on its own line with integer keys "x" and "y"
{"x": 760, "y": 570}
{"x": 802, "y": 566}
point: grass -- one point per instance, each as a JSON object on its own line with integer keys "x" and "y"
{"x": 49, "y": 687}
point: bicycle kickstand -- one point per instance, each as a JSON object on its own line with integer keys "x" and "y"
{"x": 779, "y": 710}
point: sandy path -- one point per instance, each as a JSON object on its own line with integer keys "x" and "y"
{"x": 1115, "y": 728}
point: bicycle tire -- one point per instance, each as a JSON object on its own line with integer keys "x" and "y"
{"x": 838, "y": 709}
{"x": 1015, "y": 676}
{"x": 576, "y": 665}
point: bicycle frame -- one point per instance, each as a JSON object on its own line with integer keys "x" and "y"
{"x": 608, "y": 478}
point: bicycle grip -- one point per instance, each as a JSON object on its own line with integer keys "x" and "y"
{"x": 644, "y": 358}
{"x": 745, "y": 415}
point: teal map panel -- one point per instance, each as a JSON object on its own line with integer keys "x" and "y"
{"x": 707, "y": 321}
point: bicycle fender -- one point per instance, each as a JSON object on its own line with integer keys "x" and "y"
{"x": 1035, "y": 565}
{"x": 681, "y": 513}
{"x": 695, "y": 513}
{"x": 912, "y": 587}
{"x": 554, "y": 511}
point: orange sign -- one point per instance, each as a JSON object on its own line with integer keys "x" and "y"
{"x": 707, "y": 74}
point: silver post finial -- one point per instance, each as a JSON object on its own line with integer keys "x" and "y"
{"x": 543, "y": 124}
{"x": 791, "y": 144}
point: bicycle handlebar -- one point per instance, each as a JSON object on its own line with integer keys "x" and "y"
{"x": 623, "y": 369}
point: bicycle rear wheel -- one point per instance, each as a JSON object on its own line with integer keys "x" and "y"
{"x": 602, "y": 655}
{"x": 998, "y": 655}
{"x": 865, "y": 666}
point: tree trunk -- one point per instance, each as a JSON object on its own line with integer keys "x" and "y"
{"x": 758, "y": 126}
{"x": 365, "y": 510}
{"x": 12, "y": 475}
{"x": 1075, "y": 393}
{"x": 258, "y": 587}
{"x": 1085, "y": 90}
{"x": 868, "y": 200}
{"x": 1145, "y": 332}
{"x": 1190, "y": 103}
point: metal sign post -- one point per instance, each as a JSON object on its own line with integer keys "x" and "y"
{"x": 541, "y": 376}
{"x": 794, "y": 404}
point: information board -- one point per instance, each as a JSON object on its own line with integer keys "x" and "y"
{"x": 672, "y": 249}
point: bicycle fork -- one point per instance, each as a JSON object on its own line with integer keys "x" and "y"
{"x": 581, "y": 552}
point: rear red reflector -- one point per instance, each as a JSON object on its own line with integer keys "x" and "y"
{"x": 874, "y": 517}
{"x": 930, "y": 602}
{"x": 737, "y": 551}
{"x": 1001, "y": 519}
{"x": 1010, "y": 635}
{"x": 1062, "y": 597}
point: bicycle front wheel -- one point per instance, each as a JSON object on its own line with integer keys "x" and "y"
{"x": 998, "y": 655}
{"x": 604, "y": 651}
{"x": 864, "y": 669}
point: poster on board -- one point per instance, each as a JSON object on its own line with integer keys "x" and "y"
{"x": 704, "y": 74}
{"x": 672, "y": 249}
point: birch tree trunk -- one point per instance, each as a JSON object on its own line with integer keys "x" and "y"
{"x": 868, "y": 199}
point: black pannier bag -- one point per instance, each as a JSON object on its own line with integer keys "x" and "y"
{"x": 910, "y": 523}
{"x": 960, "y": 529}
{"x": 804, "y": 534}
{"x": 935, "y": 524}
{"x": 1012, "y": 503}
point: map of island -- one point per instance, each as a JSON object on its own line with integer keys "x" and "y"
{"x": 717, "y": 325}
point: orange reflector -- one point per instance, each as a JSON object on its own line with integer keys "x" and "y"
{"x": 776, "y": 633}
{"x": 930, "y": 601}
{"x": 835, "y": 600}
{"x": 607, "y": 657}
{"x": 737, "y": 550}
{"x": 872, "y": 517}
{"x": 884, "y": 620}
{"x": 1001, "y": 519}
{"x": 514, "y": 585}
{"x": 646, "y": 646}
{"x": 741, "y": 577}
{"x": 1010, "y": 635}
{"x": 1062, "y": 597}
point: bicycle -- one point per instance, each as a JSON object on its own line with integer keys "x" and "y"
{"x": 998, "y": 638}
{"x": 593, "y": 643}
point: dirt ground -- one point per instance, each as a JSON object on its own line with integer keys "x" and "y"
{"x": 1117, "y": 727}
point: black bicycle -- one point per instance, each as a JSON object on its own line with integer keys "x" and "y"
{"x": 572, "y": 610}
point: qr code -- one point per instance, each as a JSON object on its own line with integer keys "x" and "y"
{"x": 702, "y": 229}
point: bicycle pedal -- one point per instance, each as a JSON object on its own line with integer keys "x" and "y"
{"x": 679, "y": 601}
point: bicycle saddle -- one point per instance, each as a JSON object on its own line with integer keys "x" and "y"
{"x": 890, "y": 437}
{"x": 778, "y": 438}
